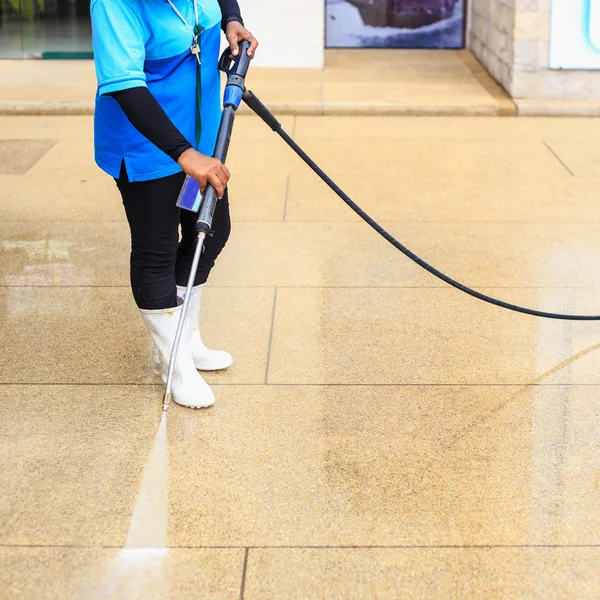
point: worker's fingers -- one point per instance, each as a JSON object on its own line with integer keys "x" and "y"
{"x": 253, "y": 44}
{"x": 223, "y": 176}
{"x": 203, "y": 182}
{"x": 216, "y": 182}
{"x": 233, "y": 39}
{"x": 222, "y": 171}
{"x": 226, "y": 173}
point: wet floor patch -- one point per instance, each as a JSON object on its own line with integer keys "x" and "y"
{"x": 148, "y": 528}
{"x": 18, "y": 156}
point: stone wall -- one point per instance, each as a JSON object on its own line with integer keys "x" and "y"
{"x": 512, "y": 40}
{"x": 532, "y": 78}
{"x": 492, "y": 25}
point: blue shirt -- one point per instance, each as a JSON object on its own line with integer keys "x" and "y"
{"x": 145, "y": 43}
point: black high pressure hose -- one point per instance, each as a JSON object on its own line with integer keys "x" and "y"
{"x": 265, "y": 114}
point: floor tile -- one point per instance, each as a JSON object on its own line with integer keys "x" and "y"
{"x": 254, "y": 197}
{"x": 275, "y": 87}
{"x": 249, "y": 128}
{"x": 46, "y": 253}
{"x": 257, "y": 152}
{"x": 412, "y": 465}
{"x": 391, "y": 91}
{"x": 266, "y": 157}
{"x": 74, "y": 573}
{"x": 31, "y": 127}
{"x": 444, "y": 128}
{"x": 18, "y": 156}
{"x": 82, "y": 127}
{"x": 306, "y": 465}
{"x": 257, "y": 195}
{"x": 428, "y": 336}
{"x": 96, "y": 335}
{"x": 413, "y": 74}
{"x": 582, "y": 157}
{"x": 72, "y": 460}
{"x": 75, "y": 158}
{"x": 408, "y": 77}
{"x": 71, "y": 157}
{"x": 397, "y": 197}
{"x": 60, "y": 197}
{"x": 443, "y": 158}
{"x": 269, "y": 75}
{"x": 352, "y": 254}
{"x": 424, "y": 573}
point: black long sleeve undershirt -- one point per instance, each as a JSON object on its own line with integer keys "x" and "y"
{"x": 230, "y": 10}
{"x": 148, "y": 117}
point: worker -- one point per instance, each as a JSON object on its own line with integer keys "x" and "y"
{"x": 157, "y": 114}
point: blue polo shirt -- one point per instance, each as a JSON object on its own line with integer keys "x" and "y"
{"x": 145, "y": 43}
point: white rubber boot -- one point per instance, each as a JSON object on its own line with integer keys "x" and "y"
{"x": 204, "y": 358}
{"x": 189, "y": 389}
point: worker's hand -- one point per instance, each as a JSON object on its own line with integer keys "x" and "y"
{"x": 205, "y": 169}
{"x": 235, "y": 33}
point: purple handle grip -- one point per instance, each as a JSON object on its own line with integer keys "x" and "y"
{"x": 190, "y": 196}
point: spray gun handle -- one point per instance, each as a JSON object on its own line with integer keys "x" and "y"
{"x": 240, "y": 63}
{"x": 242, "y": 60}
{"x": 236, "y": 77}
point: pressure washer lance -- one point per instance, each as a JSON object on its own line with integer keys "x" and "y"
{"x": 190, "y": 197}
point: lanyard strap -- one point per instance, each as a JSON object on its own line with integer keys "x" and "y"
{"x": 182, "y": 17}
{"x": 196, "y": 32}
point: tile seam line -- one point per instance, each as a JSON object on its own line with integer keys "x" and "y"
{"x": 271, "y": 332}
{"x": 312, "y": 287}
{"x": 285, "y": 205}
{"x": 315, "y": 547}
{"x": 309, "y": 137}
{"x": 357, "y": 221}
{"x": 558, "y": 158}
{"x": 316, "y": 385}
{"x": 244, "y": 573}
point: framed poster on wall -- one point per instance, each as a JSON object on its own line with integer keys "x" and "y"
{"x": 395, "y": 23}
{"x": 575, "y": 34}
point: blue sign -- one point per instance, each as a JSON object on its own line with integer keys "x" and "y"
{"x": 575, "y": 34}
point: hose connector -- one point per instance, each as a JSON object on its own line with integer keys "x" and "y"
{"x": 236, "y": 69}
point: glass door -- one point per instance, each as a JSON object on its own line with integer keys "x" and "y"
{"x": 45, "y": 29}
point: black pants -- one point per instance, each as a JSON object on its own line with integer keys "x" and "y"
{"x": 159, "y": 259}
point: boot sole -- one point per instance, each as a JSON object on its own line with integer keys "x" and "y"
{"x": 193, "y": 407}
{"x": 213, "y": 369}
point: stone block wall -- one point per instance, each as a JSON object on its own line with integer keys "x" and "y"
{"x": 492, "y": 25}
{"x": 512, "y": 40}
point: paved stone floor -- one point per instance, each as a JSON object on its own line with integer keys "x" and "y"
{"x": 380, "y": 434}
{"x": 356, "y": 81}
